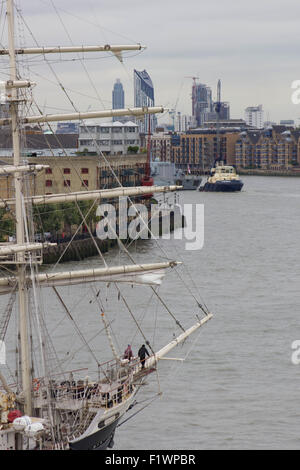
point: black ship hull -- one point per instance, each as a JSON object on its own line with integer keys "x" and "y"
{"x": 223, "y": 186}
{"x": 99, "y": 440}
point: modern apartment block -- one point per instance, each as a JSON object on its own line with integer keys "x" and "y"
{"x": 108, "y": 138}
{"x": 184, "y": 122}
{"x": 144, "y": 96}
{"x": 224, "y": 113}
{"x": 197, "y": 148}
{"x": 254, "y": 116}
{"x": 203, "y": 107}
{"x": 276, "y": 148}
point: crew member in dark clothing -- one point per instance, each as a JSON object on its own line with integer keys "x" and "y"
{"x": 142, "y": 355}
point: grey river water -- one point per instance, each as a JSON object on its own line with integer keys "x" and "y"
{"x": 238, "y": 388}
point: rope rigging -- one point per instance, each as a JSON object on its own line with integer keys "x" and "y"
{"x": 121, "y": 244}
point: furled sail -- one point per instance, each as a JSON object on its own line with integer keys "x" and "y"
{"x": 150, "y": 274}
{"x": 91, "y": 195}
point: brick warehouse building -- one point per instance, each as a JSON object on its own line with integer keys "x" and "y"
{"x": 78, "y": 173}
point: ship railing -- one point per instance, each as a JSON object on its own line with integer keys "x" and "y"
{"x": 114, "y": 385}
{"x": 73, "y": 395}
{"x": 13, "y": 258}
{"x": 109, "y": 395}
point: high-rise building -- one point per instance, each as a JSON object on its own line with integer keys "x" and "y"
{"x": 224, "y": 113}
{"x": 201, "y": 102}
{"x": 254, "y": 116}
{"x": 144, "y": 96}
{"x": 118, "y": 101}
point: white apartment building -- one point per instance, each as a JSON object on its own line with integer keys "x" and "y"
{"x": 254, "y": 116}
{"x": 111, "y": 138}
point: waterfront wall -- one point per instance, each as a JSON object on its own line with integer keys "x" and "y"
{"x": 259, "y": 172}
{"x": 84, "y": 248}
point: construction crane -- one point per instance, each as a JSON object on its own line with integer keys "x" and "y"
{"x": 194, "y": 94}
{"x": 194, "y": 78}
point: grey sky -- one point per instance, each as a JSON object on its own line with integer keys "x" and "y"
{"x": 252, "y": 46}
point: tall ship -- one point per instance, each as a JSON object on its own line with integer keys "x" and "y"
{"x": 52, "y": 398}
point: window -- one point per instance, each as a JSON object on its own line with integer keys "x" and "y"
{"x": 85, "y": 183}
{"x": 48, "y": 182}
{"x": 84, "y": 170}
{"x": 89, "y": 128}
{"x": 48, "y": 171}
{"x": 67, "y": 183}
{"x": 67, "y": 171}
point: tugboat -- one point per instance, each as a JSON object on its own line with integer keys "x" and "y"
{"x": 222, "y": 178}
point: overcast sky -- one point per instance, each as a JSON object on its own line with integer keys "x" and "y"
{"x": 253, "y": 47}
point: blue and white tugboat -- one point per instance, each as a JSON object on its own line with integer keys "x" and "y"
{"x": 223, "y": 178}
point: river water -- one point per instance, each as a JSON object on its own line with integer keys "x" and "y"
{"x": 238, "y": 387}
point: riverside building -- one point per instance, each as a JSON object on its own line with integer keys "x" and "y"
{"x": 78, "y": 173}
{"x": 254, "y": 116}
{"x": 197, "y": 149}
{"x": 275, "y": 148}
{"x": 109, "y": 138}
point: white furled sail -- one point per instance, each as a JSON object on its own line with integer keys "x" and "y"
{"x": 88, "y": 115}
{"x": 140, "y": 274}
{"x": 12, "y": 249}
{"x": 63, "y": 49}
{"x": 91, "y": 195}
{"x": 6, "y": 170}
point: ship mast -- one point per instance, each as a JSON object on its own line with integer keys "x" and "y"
{"x": 18, "y": 169}
{"x": 20, "y": 233}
